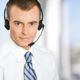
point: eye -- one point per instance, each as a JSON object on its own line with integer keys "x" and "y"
{"x": 32, "y": 23}
{"x": 17, "y": 23}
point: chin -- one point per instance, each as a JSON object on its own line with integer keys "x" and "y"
{"x": 25, "y": 47}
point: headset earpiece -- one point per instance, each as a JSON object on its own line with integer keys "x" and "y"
{"x": 41, "y": 25}
{"x": 6, "y": 24}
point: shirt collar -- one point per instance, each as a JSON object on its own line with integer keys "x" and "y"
{"x": 18, "y": 51}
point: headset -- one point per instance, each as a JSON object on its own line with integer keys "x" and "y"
{"x": 40, "y": 27}
{"x": 6, "y": 22}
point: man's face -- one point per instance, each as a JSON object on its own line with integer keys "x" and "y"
{"x": 23, "y": 25}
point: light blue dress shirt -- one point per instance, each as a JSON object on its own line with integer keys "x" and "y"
{"x": 12, "y": 62}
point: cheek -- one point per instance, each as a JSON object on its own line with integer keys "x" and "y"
{"x": 14, "y": 33}
{"x": 34, "y": 32}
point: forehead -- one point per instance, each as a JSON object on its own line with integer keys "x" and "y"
{"x": 17, "y": 13}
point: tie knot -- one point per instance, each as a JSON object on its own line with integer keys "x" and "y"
{"x": 28, "y": 57}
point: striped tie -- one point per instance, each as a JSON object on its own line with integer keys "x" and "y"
{"x": 29, "y": 73}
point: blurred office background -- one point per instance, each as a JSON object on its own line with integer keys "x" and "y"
{"x": 61, "y": 34}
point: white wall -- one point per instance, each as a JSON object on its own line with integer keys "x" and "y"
{"x": 3, "y": 31}
{"x": 53, "y": 24}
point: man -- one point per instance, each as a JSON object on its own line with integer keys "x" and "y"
{"x": 23, "y": 20}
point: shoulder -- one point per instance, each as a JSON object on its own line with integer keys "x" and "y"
{"x": 3, "y": 54}
{"x": 4, "y": 51}
{"x": 45, "y": 53}
{"x": 43, "y": 50}
{"x": 47, "y": 58}
{"x": 4, "y": 48}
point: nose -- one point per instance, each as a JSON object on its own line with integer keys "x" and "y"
{"x": 25, "y": 30}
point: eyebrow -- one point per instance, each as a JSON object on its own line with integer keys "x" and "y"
{"x": 17, "y": 21}
{"x": 33, "y": 22}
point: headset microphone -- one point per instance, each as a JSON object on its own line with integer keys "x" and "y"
{"x": 32, "y": 43}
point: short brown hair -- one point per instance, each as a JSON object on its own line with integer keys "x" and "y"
{"x": 23, "y": 4}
